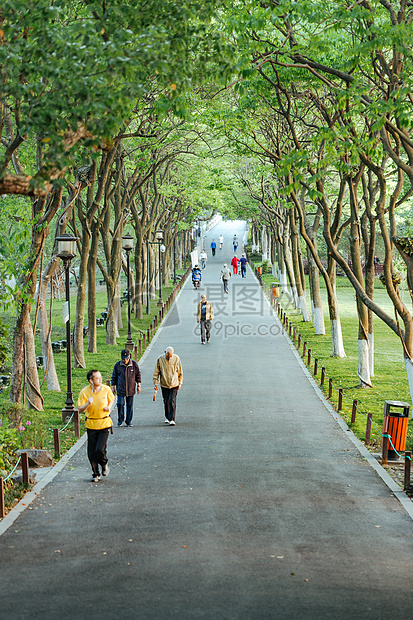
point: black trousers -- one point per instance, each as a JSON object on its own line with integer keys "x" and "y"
{"x": 96, "y": 448}
{"x": 205, "y": 329}
{"x": 169, "y": 400}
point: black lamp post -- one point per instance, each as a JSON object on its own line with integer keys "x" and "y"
{"x": 66, "y": 250}
{"x": 161, "y": 248}
{"x": 127, "y": 245}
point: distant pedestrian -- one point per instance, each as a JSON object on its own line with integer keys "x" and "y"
{"x": 168, "y": 372}
{"x": 97, "y": 400}
{"x": 203, "y": 256}
{"x": 243, "y": 262}
{"x": 204, "y": 316}
{"x": 225, "y": 276}
{"x": 213, "y": 247}
{"x": 234, "y": 264}
{"x": 221, "y": 241}
{"x": 235, "y": 243}
{"x": 125, "y": 381}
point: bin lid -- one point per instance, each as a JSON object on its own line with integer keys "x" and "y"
{"x": 397, "y": 403}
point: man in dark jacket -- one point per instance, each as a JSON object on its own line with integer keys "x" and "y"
{"x": 125, "y": 375}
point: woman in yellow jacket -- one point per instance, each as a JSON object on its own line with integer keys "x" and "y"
{"x": 98, "y": 400}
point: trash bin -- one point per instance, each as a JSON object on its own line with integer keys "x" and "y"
{"x": 275, "y": 289}
{"x": 395, "y": 424}
{"x": 259, "y": 269}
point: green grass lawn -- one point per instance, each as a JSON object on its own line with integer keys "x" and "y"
{"x": 390, "y": 380}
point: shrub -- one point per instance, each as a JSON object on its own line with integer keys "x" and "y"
{"x": 9, "y": 443}
{"x": 266, "y": 267}
{"x": 12, "y": 413}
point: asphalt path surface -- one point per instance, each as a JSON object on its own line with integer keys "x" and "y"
{"x": 255, "y": 505}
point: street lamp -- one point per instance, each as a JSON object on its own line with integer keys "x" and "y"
{"x": 161, "y": 248}
{"x": 127, "y": 245}
{"x": 66, "y": 250}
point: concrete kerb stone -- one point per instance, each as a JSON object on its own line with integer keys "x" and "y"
{"x": 387, "y": 479}
{"x": 31, "y": 495}
{"x": 10, "y": 518}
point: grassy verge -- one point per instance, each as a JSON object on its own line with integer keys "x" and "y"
{"x": 390, "y": 379}
{"x": 34, "y": 429}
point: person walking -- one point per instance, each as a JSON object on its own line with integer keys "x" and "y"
{"x": 213, "y": 247}
{"x": 97, "y": 400}
{"x": 235, "y": 243}
{"x": 125, "y": 381}
{"x": 221, "y": 241}
{"x": 234, "y": 264}
{"x": 225, "y": 276}
{"x": 204, "y": 316}
{"x": 168, "y": 372}
{"x": 203, "y": 256}
{"x": 243, "y": 262}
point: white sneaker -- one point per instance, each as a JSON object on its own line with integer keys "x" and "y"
{"x": 166, "y": 421}
{"x": 95, "y": 479}
{"x": 105, "y": 470}
{"x": 172, "y": 423}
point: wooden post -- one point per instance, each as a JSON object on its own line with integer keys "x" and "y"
{"x": 385, "y": 449}
{"x": 330, "y": 387}
{"x": 140, "y": 348}
{"x": 368, "y": 429}
{"x": 323, "y": 374}
{"x": 294, "y": 334}
{"x": 144, "y": 341}
{"x": 151, "y": 328}
{"x": 155, "y": 321}
{"x": 76, "y": 423}
{"x": 407, "y": 467}
{"x": 315, "y": 366}
{"x": 56, "y": 441}
{"x": 299, "y": 342}
{"x": 308, "y": 357}
{"x": 2, "y": 506}
{"x": 340, "y": 399}
{"x": 353, "y": 412}
{"x": 304, "y": 348}
{"x": 148, "y": 336}
{"x": 25, "y": 467}
{"x": 135, "y": 353}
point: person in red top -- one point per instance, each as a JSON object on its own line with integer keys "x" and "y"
{"x": 234, "y": 264}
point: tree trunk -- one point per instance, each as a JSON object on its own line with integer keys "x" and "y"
{"x": 274, "y": 257}
{"x": 34, "y": 397}
{"x": 52, "y": 380}
{"x": 91, "y": 288}
{"x": 78, "y": 350}
{"x": 264, "y": 243}
{"x": 296, "y": 259}
{"x": 363, "y": 369}
{"x": 317, "y": 308}
{"x": 282, "y": 273}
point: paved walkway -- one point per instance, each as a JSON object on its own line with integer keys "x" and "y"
{"x": 255, "y": 506}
